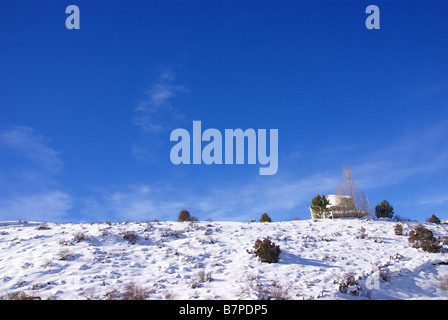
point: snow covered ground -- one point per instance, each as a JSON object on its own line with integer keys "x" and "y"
{"x": 210, "y": 260}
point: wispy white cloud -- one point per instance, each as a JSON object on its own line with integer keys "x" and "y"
{"x": 421, "y": 152}
{"x": 134, "y": 202}
{"x": 282, "y": 197}
{"x": 433, "y": 200}
{"x": 33, "y": 146}
{"x": 48, "y": 206}
{"x": 156, "y": 107}
{"x": 29, "y": 190}
{"x": 155, "y": 114}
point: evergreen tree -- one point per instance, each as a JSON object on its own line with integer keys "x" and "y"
{"x": 265, "y": 218}
{"x": 384, "y": 210}
{"x": 319, "y": 206}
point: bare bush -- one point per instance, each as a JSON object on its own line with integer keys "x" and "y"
{"x": 65, "y": 254}
{"x": 361, "y": 233}
{"x": 200, "y": 278}
{"x": 112, "y": 294}
{"x": 80, "y": 236}
{"x": 169, "y": 295}
{"x": 19, "y": 295}
{"x": 135, "y": 292}
{"x": 443, "y": 283}
{"x": 104, "y": 231}
{"x": 278, "y": 291}
{"x": 43, "y": 226}
{"x": 48, "y": 263}
{"x": 420, "y": 237}
{"x": 130, "y": 236}
{"x": 349, "y": 285}
{"x": 149, "y": 226}
{"x": 91, "y": 294}
{"x": 443, "y": 239}
{"x": 204, "y": 277}
{"x": 274, "y": 291}
{"x": 171, "y": 233}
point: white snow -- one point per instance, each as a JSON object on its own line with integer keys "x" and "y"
{"x": 168, "y": 258}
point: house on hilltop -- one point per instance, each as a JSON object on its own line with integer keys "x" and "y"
{"x": 339, "y": 207}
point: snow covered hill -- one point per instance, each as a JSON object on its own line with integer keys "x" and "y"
{"x": 319, "y": 259}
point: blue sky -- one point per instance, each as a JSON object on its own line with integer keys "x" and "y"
{"x": 86, "y": 115}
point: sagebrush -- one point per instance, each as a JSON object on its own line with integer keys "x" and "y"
{"x": 421, "y": 237}
{"x": 266, "y": 251}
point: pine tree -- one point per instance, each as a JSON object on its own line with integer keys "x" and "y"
{"x": 384, "y": 210}
{"x": 319, "y": 206}
{"x": 265, "y": 218}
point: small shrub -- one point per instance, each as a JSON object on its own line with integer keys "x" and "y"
{"x": 398, "y": 229}
{"x": 48, "y": 263}
{"x": 130, "y": 236}
{"x": 43, "y": 226}
{"x": 112, "y": 294}
{"x": 19, "y": 295}
{"x": 384, "y": 275}
{"x": 420, "y": 237}
{"x": 267, "y": 251}
{"x": 79, "y": 236}
{"x": 90, "y": 294}
{"x": 195, "y": 283}
{"x": 171, "y": 233}
{"x": 63, "y": 242}
{"x": 135, "y": 292}
{"x": 397, "y": 256}
{"x": 443, "y": 283}
{"x": 149, "y": 226}
{"x": 433, "y": 219}
{"x": 362, "y": 233}
{"x": 349, "y": 285}
{"x": 104, "y": 231}
{"x": 278, "y": 291}
{"x": 208, "y": 240}
{"x": 265, "y": 218}
{"x": 201, "y": 278}
{"x": 400, "y": 218}
{"x": 65, "y": 254}
{"x": 169, "y": 295}
{"x": 443, "y": 239}
{"x": 204, "y": 277}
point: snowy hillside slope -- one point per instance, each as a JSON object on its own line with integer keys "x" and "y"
{"x": 210, "y": 260}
